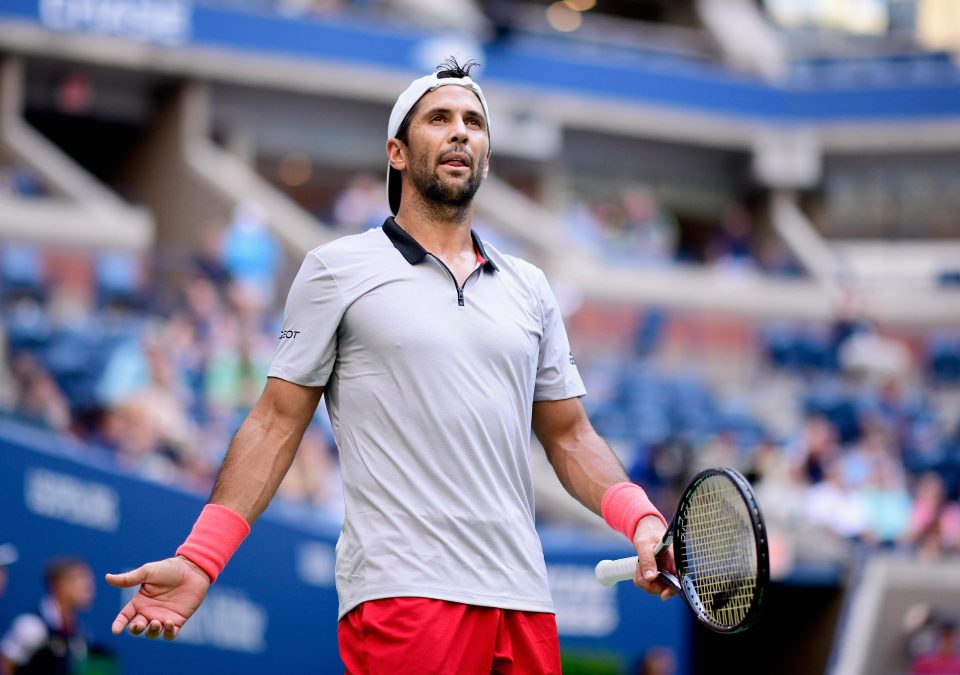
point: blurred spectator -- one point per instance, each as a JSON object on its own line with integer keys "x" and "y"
{"x": 648, "y": 232}
{"x": 657, "y": 661}
{"x": 8, "y": 388}
{"x": 22, "y": 273}
{"x": 836, "y": 508}
{"x": 8, "y": 556}
{"x": 52, "y": 641}
{"x": 943, "y": 659}
{"x": 119, "y": 280}
{"x": 871, "y": 455}
{"x": 362, "y": 204}
{"x": 147, "y": 421}
{"x": 720, "y": 450}
{"x": 20, "y": 181}
{"x": 632, "y": 229}
{"x": 204, "y": 308}
{"x": 775, "y": 258}
{"x": 731, "y": 246}
{"x": 189, "y": 360}
{"x": 934, "y": 525}
{"x": 38, "y": 397}
{"x": 816, "y": 447}
{"x": 870, "y": 356}
{"x": 781, "y": 487}
{"x": 208, "y": 261}
{"x": 237, "y": 368}
{"x": 251, "y": 252}
{"x": 887, "y": 505}
{"x": 788, "y": 498}
{"x": 125, "y": 371}
{"x": 649, "y": 331}
{"x": 239, "y": 352}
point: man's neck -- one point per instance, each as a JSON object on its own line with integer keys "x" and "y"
{"x": 444, "y": 234}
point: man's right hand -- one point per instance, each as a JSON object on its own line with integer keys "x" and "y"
{"x": 170, "y": 592}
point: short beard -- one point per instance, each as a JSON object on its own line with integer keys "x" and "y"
{"x": 441, "y": 199}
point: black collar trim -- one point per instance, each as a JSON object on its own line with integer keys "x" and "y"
{"x": 414, "y": 253}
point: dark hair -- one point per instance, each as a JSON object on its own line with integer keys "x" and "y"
{"x": 58, "y": 568}
{"x": 449, "y": 68}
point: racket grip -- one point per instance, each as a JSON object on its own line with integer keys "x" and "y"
{"x": 610, "y": 572}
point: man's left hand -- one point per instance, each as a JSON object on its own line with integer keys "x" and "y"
{"x": 649, "y": 533}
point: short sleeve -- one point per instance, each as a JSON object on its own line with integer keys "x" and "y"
{"x": 557, "y": 374}
{"x": 26, "y": 636}
{"x": 307, "y": 347}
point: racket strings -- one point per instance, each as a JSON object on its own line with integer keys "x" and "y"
{"x": 719, "y": 553}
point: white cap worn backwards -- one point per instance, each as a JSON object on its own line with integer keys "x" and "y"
{"x": 408, "y": 99}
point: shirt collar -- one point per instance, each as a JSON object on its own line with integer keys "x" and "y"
{"x": 414, "y": 253}
{"x": 51, "y": 612}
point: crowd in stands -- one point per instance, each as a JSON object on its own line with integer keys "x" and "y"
{"x": 868, "y": 465}
{"x": 159, "y": 379}
{"x": 160, "y": 374}
{"x": 634, "y": 228}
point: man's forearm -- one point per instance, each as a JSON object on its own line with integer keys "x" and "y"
{"x": 586, "y": 466}
{"x": 258, "y": 459}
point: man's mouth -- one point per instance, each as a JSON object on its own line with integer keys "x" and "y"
{"x": 456, "y": 161}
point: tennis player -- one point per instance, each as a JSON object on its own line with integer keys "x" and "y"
{"x": 437, "y": 354}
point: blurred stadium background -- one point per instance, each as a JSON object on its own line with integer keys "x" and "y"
{"x": 750, "y": 211}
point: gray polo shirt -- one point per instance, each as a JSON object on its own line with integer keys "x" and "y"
{"x": 430, "y": 389}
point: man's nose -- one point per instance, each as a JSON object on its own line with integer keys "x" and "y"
{"x": 458, "y": 130}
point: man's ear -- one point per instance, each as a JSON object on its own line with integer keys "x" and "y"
{"x": 397, "y": 154}
{"x": 486, "y": 167}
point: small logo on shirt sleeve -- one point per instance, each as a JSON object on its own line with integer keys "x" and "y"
{"x": 573, "y": 361}
{"x": 289, "y": 334}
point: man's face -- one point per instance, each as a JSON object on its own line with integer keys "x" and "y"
{"x": 446, "y": 159}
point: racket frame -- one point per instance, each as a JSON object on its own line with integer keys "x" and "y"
{"x": 683, "y": 585}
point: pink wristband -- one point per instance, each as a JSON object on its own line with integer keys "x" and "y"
{"x": 215, "y": 537}
{"x": 624, "y": 504}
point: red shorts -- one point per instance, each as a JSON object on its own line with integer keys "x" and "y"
{"x": 421, "y": 636}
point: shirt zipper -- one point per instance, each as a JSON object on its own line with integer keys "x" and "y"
{"x": 454, "y": 278}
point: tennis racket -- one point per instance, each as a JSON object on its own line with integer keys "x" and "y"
{"x": 720, "y": 550}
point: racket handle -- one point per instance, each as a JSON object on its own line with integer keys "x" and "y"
{"x": 610, "y": 572}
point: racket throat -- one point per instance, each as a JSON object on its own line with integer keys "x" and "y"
{"x": 671, "y": 581}
{"x": 668, "y": 578}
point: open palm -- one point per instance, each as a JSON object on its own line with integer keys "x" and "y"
{"x": 170, "y": 592}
